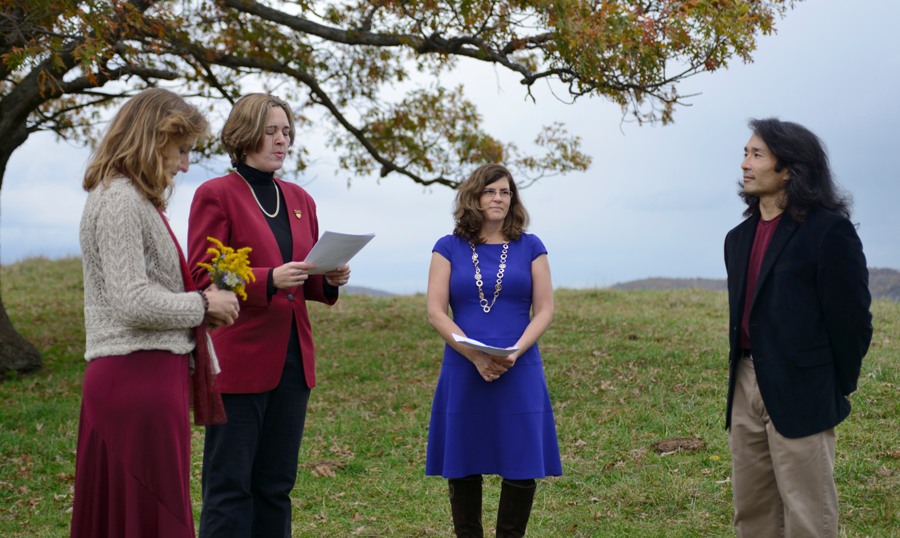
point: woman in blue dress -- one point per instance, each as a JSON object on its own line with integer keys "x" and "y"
{"x": 491, "y": 413}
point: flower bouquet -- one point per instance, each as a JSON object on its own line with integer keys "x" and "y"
{"x": 229, "y": 269}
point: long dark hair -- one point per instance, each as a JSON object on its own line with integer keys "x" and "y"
{"x": 467, "y": 210}
{"x": 810, "y": 182}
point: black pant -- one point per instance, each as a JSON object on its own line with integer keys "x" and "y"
{"x": 250, "y": 462}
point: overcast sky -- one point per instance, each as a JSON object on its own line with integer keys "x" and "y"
{"x": 656, "y": 202}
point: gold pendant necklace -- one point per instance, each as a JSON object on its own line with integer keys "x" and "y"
{"x": 261, "y": 208}
{"x": 478, "y": 282}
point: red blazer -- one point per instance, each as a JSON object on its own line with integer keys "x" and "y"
{"x": 252, "y": 351}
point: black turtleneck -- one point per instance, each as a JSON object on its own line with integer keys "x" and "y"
{"x": 263, "y": 185}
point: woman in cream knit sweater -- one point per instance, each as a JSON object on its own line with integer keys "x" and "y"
{"x": 133, "y": 460}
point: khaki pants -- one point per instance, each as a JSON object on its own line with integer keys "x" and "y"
{"x": 782, "y": 487}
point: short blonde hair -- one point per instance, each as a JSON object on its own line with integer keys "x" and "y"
{"x": 245, "y": 127}
{"x": 135, "y": 142}
{"x": 467, "y": 209}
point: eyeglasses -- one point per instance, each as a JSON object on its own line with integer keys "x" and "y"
{"x": 490, "y": 193}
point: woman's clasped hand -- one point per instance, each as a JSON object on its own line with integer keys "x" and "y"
{"x": 223, "y": 309}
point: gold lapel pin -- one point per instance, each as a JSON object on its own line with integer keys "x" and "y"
{"x": 298, "y": 213}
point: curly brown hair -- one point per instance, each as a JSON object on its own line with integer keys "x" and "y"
{"x": 467, "y": 208}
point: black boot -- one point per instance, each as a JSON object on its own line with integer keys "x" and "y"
{"x": 516, "y": 497}
{"x": 465, "y": 504}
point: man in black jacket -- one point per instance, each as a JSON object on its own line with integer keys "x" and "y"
{"x": 799, "y": 328}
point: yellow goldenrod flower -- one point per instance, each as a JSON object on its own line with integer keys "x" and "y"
{"x": 229, "y": 269}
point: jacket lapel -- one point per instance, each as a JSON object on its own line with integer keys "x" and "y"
{"x": 254, "y": 222}
{"x": 299, "y": 216}
{"x": 741, "y": 251}
{"x": 780, "y": 238}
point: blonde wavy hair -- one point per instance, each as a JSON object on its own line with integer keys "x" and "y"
{"x": 467, "y": 209}
{"x": 245, "y": 127}
{"x": 134, "y": 145}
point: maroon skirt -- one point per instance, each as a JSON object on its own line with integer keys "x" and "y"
{"x": 132, "y": 468}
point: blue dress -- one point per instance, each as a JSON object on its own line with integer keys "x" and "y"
{"x": 504, "y": 427}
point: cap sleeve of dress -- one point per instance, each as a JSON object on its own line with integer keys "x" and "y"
{"x": 444, "y": 246}
{"x": 535, "y": 245}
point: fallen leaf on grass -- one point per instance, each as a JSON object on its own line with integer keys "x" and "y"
{"x": 322, "y": 470}
{"x": 637, "y": 453}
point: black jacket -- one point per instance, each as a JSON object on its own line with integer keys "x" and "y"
{"x": 810, "y": 324}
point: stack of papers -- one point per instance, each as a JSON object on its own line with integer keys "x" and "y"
{"x": 334, "y": 249}
{"x": 490, "y": 350}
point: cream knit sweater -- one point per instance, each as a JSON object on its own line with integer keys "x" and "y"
{"x": 134, "y": 296}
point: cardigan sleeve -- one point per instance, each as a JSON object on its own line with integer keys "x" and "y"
{"x": 143, "y": 288}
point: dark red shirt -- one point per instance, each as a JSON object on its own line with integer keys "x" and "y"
{"x": 764, "y": 232}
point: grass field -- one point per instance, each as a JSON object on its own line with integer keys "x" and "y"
{"x": 625, "y": 370}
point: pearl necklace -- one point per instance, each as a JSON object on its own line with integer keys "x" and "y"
{"x": 261, "y": 208}
{"x": 478, "y": 282}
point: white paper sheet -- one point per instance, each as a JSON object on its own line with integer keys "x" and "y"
{"x": 334, "y": 249}
{"x": 490, "y": 350}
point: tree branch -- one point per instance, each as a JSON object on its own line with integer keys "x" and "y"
{"x": 321, "y": 97}
{"x": 468, "y": 46}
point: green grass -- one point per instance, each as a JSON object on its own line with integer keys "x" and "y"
{"x": 625, "y": 369}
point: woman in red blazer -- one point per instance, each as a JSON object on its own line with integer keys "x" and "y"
{"x": 267, "y": 357}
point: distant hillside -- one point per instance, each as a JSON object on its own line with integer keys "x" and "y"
{"x": 362, "y": 290}
{"x": 660, "y": 283}
{"x": 883, "y": 283}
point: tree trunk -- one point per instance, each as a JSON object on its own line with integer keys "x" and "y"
{"x": 16, "y": 353}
